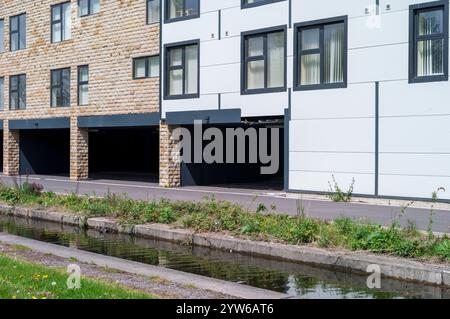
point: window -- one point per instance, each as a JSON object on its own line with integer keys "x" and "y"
{"x": 182, "y": 70}
{"x": 255, "y": 3}
{"x": 83, "y": 85}
{"x": 264, "y": 61}
{"x": 18, "y": 32}
{"x": 2, "y": 93}
{"x": 153, "y": 9}
{"x": 61, "y": 22}
{"x": 17, "y": 92}
{"x": 2, "y": 38}
{"x": 88, "y": 7}
{"x": 60, "y": 87}
{"x": 428, "y": 57}
{"x": 182, "y": 9}
{"x": 146, "y": 67}
{"x": 321, "y": 54}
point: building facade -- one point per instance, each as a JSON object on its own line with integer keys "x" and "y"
{"x": 361, "y": 86}
{"x": 357, "y": 89}
{"x": 71, "y": 71}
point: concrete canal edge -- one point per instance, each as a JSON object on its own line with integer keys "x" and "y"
{"x": 201, "y": 282}
{"x": 391, "y": 267}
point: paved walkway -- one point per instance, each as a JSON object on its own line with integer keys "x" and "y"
{"x": 382, "y": 212}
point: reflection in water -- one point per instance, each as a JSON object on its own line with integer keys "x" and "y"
{"x": 296, "y": 279}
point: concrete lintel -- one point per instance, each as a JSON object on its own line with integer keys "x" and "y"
{"x": 40, "y": 124}
{"x": 207, "y": 117}
{"x": 119, "y": 120}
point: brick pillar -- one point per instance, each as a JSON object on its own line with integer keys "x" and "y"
{"x": 169, "y": 165}
{"x": 10, "y": 150}
{"x": 79, "y": 151}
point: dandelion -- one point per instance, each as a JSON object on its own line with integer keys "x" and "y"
{"x": 53, "y": 283}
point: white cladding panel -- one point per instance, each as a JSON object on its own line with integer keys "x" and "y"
{"x": 332, "y": 132}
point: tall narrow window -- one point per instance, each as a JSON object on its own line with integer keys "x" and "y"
{"x": 88, "y": 7}
{"x": 18, "y": 32}
{"x": 2, "y": 94}
{"x": 182, "y": 71}
{"x": 17, "y": 92}
{"x": 153, "y": 9}
{"x": 321, "y": 54}
{"x": 146, "y": 67}
{"x": 182, "y": 9}
{"x": 61, "y": 22}
{"x": 264, "y": 61}
{"x": 2, "y": 37}
{"x": 429, "y": 42}
{"x": 60, "y": 87}
{"x": 83, "y": 85}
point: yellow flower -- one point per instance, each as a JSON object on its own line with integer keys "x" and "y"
{"x": 14, "y": 297}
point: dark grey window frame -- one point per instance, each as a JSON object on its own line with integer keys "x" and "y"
{"x": 414, "y": 38}
{"x": 167, "y": 69}
{"x": 80, "y": 83}
{"x": 2, "y": 94}
{"x": 18, "y": 31}
{"x": 89, "y": 9}
{"x": 147, "y": 66}
{"x": 11, "y": 92}
{"x": 245, "y": 60}
{"x": 314, "y": 25}
{"x": 2, "y": 36}
{"x": 60, "y": 21}
{"x": 146, "y": 12}
{"x": 257, "y": 4}
{"x": 60, "y": 87}
{"x": 167, "y": 19}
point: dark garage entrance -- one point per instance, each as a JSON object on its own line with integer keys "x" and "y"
{"x": 45, "y": 152}
{"x": 124, "y": 153}
{"x": 246, "y": 175}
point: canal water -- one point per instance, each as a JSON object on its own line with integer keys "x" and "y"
{"x": 295, "y": 279}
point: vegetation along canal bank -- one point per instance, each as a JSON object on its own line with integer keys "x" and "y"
{"x": 402, "y": 253}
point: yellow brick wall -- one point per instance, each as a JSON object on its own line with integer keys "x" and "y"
{"x": 106, "y": 41}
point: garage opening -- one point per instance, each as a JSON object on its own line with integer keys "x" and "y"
{"x": 244, "y": 175}
{"x": 45, "y": 152}
{"x": 124, "y": 154}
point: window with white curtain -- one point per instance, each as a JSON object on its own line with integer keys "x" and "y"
{"x": 182, "y": 9}
{"x": 146, "y": 67}
{"x": 61, "y": 22}
{"x": 153, "y": 9}
{"x": 264, "y": 64}
{"x": 429, "y": 43}
{"x": 321, "y": 54}
{"x": 83, "y": 85}
{"x": 88, "y": 7}
{"x": 182, "y": 71}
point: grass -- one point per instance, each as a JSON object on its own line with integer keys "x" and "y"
{"x": 22, "y": 280}
{"x": 210, "y": 215}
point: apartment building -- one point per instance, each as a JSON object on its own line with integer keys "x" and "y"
{"x": 79, "y": 87}
{"x": 359, "y": 88}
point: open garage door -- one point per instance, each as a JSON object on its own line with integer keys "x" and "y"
{"x": 124, "y": 153}
{"x": 45, "y": 152}
{"x": 246, "y": 175}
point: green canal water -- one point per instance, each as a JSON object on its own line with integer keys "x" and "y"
{"x": 295, "y": 279}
